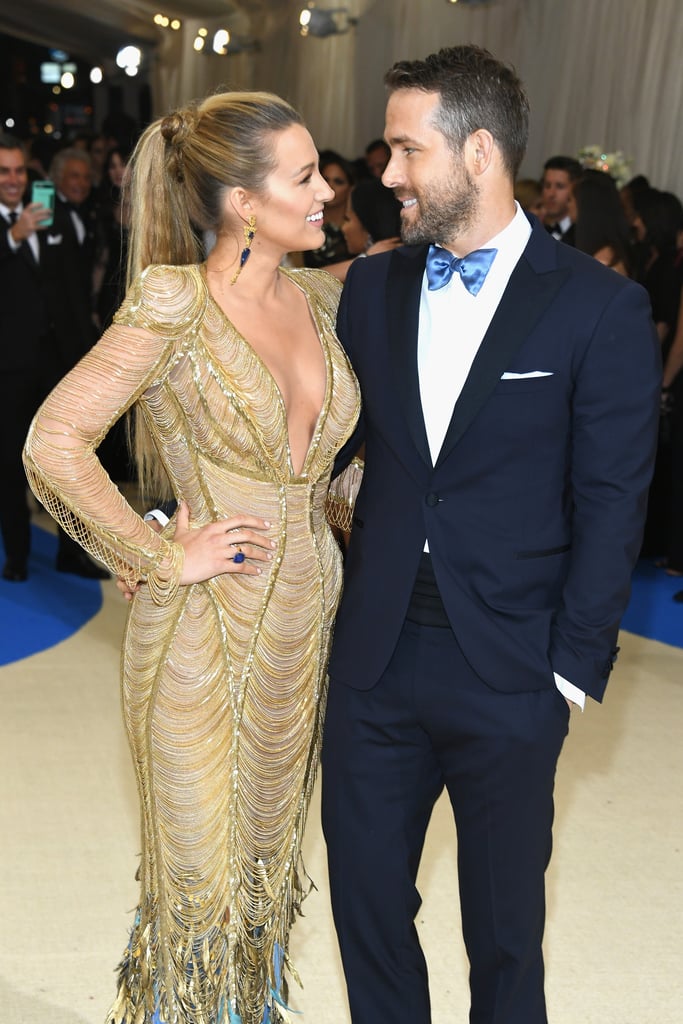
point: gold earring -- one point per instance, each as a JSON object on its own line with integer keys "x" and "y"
{"x": 249, "y": 232}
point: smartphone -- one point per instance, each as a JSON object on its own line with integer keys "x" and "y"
{"x": 43, "y": 192}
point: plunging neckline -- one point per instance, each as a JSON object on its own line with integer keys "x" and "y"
{"x": 315, "y": 436}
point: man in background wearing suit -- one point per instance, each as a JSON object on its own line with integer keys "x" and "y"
{"x": 510, "y": 398}
{"x": 36, "y": 266}
{"x": 559, "y": 174}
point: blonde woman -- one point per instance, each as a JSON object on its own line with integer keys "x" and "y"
{"x": 242, "y": 397}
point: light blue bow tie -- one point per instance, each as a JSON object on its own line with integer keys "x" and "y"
{"x": 473, "y": 268}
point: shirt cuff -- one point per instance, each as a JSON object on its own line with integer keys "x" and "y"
{"x": 157, "y": 514}
{"x": 571, "y": 692}
{"x": 14, "y": 246}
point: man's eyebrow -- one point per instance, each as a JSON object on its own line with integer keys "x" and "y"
{"x": 400, "y": 140}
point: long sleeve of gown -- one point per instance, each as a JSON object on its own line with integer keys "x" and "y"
{"x": 63, "y": 470}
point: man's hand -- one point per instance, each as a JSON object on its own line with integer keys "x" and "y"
{"x": 29, "y": 220}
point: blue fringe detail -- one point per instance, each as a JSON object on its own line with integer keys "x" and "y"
{"x": 233, "y": 1017}
{"x": 280, "y": 1002}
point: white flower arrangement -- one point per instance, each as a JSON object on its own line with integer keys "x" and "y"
{"x": 615, "y": 164}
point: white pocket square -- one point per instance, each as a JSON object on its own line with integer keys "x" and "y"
{"x": 54, "y": 239}
{"x": 525, "y": 376}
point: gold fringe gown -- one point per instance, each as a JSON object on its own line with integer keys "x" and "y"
{"x": 224, "y": 682}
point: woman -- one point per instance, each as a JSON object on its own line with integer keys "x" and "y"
{"x": 243, "y": 397}
{"x": 600, "y": 225}
{"x": 372, "y": 224}
{"x": 337, "y": 173}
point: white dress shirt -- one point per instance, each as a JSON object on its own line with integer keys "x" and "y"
{"x": 445, "y": 354}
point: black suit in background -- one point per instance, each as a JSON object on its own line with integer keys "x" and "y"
{"x": 45, "y": 328}
{"x": 66, "y": 270}
{"x": 29, "y": 368}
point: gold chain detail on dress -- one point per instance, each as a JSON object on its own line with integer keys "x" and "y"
{"x": 223, "y": 683}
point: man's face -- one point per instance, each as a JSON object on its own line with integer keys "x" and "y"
{"x": 13, "y": 177}
{"x": 75, "y": 181}
{"x": 557, "y": 189}
{"x": 439, "y": 197}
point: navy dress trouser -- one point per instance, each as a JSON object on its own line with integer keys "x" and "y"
{"x": 388, "y": 752}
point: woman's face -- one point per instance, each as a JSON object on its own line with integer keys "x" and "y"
{"x": 116, "y": 169}
{"x": 336, "y": 178}
{"x": 289, "y": 214}
{"x": 355, "y": 234}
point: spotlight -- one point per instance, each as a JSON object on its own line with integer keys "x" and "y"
{"x": 315, "y": 21}
{"x": 129, "y": 57}
{"x": 96, "y": 75}
{"x": 221, "y": 41}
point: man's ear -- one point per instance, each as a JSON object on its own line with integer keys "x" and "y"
{"x": 479, "y": 150}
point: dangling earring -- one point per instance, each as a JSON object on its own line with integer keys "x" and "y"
{"x": 249, "y": 232}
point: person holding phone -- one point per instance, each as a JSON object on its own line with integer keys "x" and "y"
{"x": 29, "y": 367}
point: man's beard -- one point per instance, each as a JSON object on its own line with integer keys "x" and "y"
{"x": 448, "y": 212}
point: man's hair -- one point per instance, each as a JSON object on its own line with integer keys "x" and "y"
{"x": 8, "y": 141}
{"x": 62, "y": 157}
{"x": 475, "y": 91}
{"x": 564, "y": 163}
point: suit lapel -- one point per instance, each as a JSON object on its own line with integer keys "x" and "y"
{"x": 404, "y": 283}
{"x": 532, "y": 286}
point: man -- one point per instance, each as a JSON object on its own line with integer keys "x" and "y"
{"x": 559, "y": 173}
{"x": 67, "y": 269}
{"x": 30, "y": 361}
{"x": 510, "y": 417}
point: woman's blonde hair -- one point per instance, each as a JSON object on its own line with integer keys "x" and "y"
{"x": 177, "y": 180}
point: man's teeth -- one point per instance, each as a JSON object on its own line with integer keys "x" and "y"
{"x": 409, "y": 202}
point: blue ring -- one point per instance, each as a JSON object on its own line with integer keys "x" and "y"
{"x": 238, "y": 558}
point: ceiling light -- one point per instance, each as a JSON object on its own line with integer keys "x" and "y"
{"x": 314, "y": 21}
{"x": 129, "y": 57}
{"x": 96, "y": 75}
{"x": 221, "y": 40}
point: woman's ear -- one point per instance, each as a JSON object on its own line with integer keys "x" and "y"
{"x": 240, "y": 203}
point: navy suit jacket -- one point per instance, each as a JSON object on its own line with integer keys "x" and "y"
{"x": 534, "y": 509}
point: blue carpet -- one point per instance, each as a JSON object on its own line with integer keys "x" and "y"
{"x": 48, "y": 607}
{"x": 652, "y": 612}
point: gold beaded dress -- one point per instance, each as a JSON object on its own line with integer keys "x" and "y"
{"x": 224, "y": 682}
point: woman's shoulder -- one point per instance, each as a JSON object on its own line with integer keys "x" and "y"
{"x": 318, "y": 285}
{"x": 164, "y": 298}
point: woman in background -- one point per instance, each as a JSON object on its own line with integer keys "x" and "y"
{"x": 372, "y": 224}
{"x": 600, "y": 225}
{"x": 338, "y": 174}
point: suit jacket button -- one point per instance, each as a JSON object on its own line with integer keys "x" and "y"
{"x": 432, "y": 499}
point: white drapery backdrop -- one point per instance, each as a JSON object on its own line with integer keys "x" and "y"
{"x": 604, "y": 72}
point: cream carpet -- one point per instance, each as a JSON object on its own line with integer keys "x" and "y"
{"x": 69, "y": 842}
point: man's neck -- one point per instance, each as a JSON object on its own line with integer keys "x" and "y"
{"x": 490, "y": 222}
